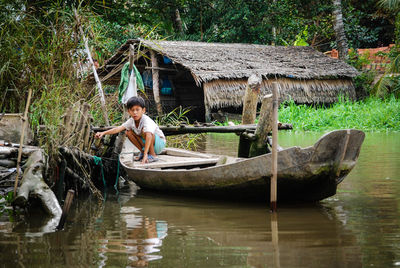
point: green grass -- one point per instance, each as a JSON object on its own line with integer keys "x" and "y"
{"x": 371, "y": 114}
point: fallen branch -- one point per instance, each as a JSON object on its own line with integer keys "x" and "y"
{"x": 32, "y": 184}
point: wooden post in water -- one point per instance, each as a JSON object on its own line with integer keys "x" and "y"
{"x": 156, "y": 88}
{"x": 275, "y": 239}
{"x": 264, "y": 127}
{"x": 67, "y": 205}
{"x": 21, "y": 140}
{"x": 249, "y": 111}
{"x": 274, "y": 157}
{"x": 96, "y": 77}
{"x": 250, "y": 99}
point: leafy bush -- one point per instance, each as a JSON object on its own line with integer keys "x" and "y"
{"x": 371, "y": 114}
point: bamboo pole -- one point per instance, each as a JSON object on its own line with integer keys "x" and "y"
{"x": 274, "y": 157}
{"x": 21, "y": 141}
{"x": 96, "y": 77}
{"x": 156, "y": 88}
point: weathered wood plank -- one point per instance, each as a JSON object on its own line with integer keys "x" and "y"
{"x": 185, "y": 153}
{"x": 177, "y": 162}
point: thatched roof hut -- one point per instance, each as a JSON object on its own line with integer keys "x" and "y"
{"x": 217, "y": 73}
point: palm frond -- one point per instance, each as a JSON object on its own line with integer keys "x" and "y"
{"x": 389, "y": 4}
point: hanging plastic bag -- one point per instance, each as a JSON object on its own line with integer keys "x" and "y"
{"x": 131, "y": 91}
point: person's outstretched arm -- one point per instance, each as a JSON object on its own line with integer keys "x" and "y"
{"x": 115, "y": 130}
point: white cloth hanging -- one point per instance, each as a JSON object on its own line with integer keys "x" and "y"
{"x": 131, "y": 91}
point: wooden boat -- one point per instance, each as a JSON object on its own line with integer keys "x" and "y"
{"x": 304, "y": 174}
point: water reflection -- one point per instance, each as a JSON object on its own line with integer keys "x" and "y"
{"x": 226, "y": 234}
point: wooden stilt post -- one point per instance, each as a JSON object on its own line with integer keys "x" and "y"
{"x": 274, "y": 157}
{"x": 250, "y": 99}
{"x": 156, "y": 88}
{"x": 67, "y": 205}
{"x": 207, "y": 110}
{"x": 96, "y": 77}
{"x": 264, "y": 127}
{"x": 21, "y": 140}
{"x": 249, "y": 111}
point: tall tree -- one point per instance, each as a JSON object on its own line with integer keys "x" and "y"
{"x": 338, "y": 26}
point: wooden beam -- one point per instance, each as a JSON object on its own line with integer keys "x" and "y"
{"x": 183, "y": 129}
{"x": 161, "y": 69}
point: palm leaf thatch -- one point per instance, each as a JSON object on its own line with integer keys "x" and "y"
{"x": 225, "y": 93}
{"x": 304, "y": 74}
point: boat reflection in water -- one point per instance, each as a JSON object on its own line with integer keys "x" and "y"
{"x": 176, "y": 232}
{"x": 156, "y": 231}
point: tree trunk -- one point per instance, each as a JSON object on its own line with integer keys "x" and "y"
{"x": 178, "y": 21}
{"x": 273, "y": 31}
{"x": 338, "y": 26}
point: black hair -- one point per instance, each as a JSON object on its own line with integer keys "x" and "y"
{"x": 133, "y": 101}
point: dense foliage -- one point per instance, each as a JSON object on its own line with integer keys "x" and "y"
{"x": 371, "y": 114}
{"x": 252, "y": 21}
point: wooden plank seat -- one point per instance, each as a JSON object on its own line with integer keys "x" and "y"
{"x": 185, "y": 153}
{"x": 168, "y": 161}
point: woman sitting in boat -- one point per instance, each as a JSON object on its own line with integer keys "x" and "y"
{"x": 141, "y": 130}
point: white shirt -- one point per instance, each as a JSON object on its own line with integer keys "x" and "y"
{"x": 146, "y": 124}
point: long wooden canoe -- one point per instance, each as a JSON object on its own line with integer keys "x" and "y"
{"x": 304, "y": 174}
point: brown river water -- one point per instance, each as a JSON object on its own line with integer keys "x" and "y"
{"x": 358, "y": 227}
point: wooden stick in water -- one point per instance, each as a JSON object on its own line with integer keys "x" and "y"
{"x": 275, "y": 239}
{"x": 274, "y": 157}
{"x": 21, "y": 141}
{"x": 67, "y": 205}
